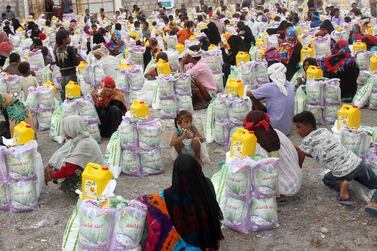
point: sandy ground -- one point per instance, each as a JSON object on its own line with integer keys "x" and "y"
{"x": 313, "y": 208}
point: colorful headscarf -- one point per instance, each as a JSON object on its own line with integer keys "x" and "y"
{"x": 340, "y": 60}
{"x": 108, "y": 82}
{"x": 272, "y": 55}
{"x": 356, "y": 34}
{"x": 116, "y": 46}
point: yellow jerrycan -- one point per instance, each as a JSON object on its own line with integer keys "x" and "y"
{"x": 50, "y": 84}
{"x": 306, "y": 52}
{"x": 94, "y": 180}
{"x": 235, "y": 87}
{"x": 180, "y": 48}
{"x": 124, "y": 66}
{"x": 23, "y": 133}
{"x": 359, "y": 46}
{"x": 163, "y": 67}
{"x": 211, "y": 47}
{"x": 373, "y": 63}
{"x": 82, "y": 66}
{"x": 349, "y": 116}
{"x": 72, "y": 90}
{"x": 259, "y": 43}
{"x": 139, "y": 109}
{"x": 314, "y": 72}
{"x": 242, "y": 144}
{"x": 242, "y": 57}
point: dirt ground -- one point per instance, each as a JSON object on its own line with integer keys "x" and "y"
{"x": 312, "y": 220}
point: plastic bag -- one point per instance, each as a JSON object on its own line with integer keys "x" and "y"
{"x": 121, "y": 82}
{"x": 363, "y": 59}
{"x": 149, "y": 132}
{"x": 209, "y": 123}
{"x": 265, "y": 178}
{"x": 373, "y": 100}
{"x": 272, "y": 41}
{"x": 56, "y": 129}
{"x": 166, "y": 86}
{"x": 361, "y": 98}
{"x": 3, "y": 83}
{"x": 247, "y": 72}
{"x": 96, "y": 225}
{"x": 130, "y": 163}
{"x": 363, "y": 77}
{"x": 69, "y": 107}
{"x": 185, "y": 103}
{"x": 213, "y": 59}
{"x": 371, "y": 158}
{"x": 239, "y": 181}
{"x": 44, "y": 117}
{"x": 127, "y": 133}
{"x": 221, "y": 131}
{"x": 13, "y": 83}
{"x": 322, "y": 46}
{"x": 168, "y": 108}
{"x": 219, "y": 80}
{"x": 129, "y": 226}
{"x": 23, "y": 195}
{"x": 339, "y": 35}
{"x": 87, "y": 110}
{"x": 330, "y": 113}
{"x": 20, "y": 161}
{"x": 300, "y": 99}
{"x": 235, "y": 214}
{"x": 317, "y": 112}
{"x": 151, "y": 162}
{"x": 239, "y": 108}
{"x": 112, "y": 156}
{"x": 135, "y": 77}
{"x": 32, "y": 99}
{"x": 36, "y": 60}
{"x": 46, "y": 97}
{"x": 4, "y": 196}
{"x": 171, "y": 42}
{"x": 93, "y": 130}
{"x": 135, "y": 55}
{"x": 314, "y": 92}
{"x": 261, "y": 75}
{"x": 355, "y": 140}
{"x": 71, "y": 232}
{"x": 222, "y": 108}
{"x": 263, "y": 214}
{"x": 182, "y": 86}
{"x": 331, "y": 91}
{"x": 173, "y": 57}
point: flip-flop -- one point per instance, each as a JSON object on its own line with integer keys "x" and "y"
{"x": 371, "y": 210}
{"x": 281, "y": 202}
{"x": 342, "y": 201}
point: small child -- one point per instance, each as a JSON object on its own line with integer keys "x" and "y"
{"x": 187, "y": 138}
{"x": 344, "y": 165}
{"x": 26, "y": 79}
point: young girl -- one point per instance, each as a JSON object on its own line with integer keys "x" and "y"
{"x": 187, "y": 139}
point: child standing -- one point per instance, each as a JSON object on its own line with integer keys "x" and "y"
{"x": 187, "y": 139}
{"x": 26, "y": 79}
{"x": 344, "y": 165}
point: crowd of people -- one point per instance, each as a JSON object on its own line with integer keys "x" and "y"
{"x": 187, "y": 214}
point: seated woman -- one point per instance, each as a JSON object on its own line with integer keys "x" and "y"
{"x": 70, "y": 160}
{"x": 116, "y": 46}
{"x": 186, "y": 215}
{"x": 236, "y": 45}
{"x": 279, "y": 98}
{"x": 14, "y": 111}
{"x": 291, "y": 50}
{"x": 151, "y": 70}
{"x": 300, "y": 76}
{"x": 111, "y": 106}
{"x": 203, "y": 80}
{"x": 273, "y": 143}
{"x": 342, "y": 65}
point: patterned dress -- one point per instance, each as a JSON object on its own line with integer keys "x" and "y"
{"x": 161, "y": 233}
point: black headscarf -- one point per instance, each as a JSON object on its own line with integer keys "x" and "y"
{"x": 327, "y": 25}
{"x": 236, "y": 44}
{"x": 259, "y": 123}
{"x": 212, "y": 33}
{"x": 98, "y": 38}
{"x": 192, "y": 205}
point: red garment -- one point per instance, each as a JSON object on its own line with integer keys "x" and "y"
{"x": 108, "y": 82}
{"x": 66, "y": 171}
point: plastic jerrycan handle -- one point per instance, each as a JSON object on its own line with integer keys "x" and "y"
{"x": 312, "y": 67}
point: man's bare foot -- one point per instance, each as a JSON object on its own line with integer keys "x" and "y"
{"x": 372, "y": 204}
{"x": 343, "y": 190}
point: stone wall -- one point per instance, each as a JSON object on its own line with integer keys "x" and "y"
{"x": 149, "y": 5}
{"x": 16, "y": 6}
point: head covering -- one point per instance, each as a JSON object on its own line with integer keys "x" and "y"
{"x": 212, "y": 33}
{"x": 259, "y": 123}
{"x": 86, "y": 29}
{"x": 316, "y": 16}
{"x": 245, "y": 9}
{"x": 192, "y": 205}
{"x": 108, "y": 82}
{"x": 272, "y": 55}
{"x": 356, "y": 33}
{"x": 6, "y": 46}
{"x": 340, "y": 60}
{"x": 42, "y": 36}
{"x": 276, "y": 72}
{"x": 102, "y": 51}
{"x": 327, "y": 25}
{"x": 236, "y": 44}
{"x": 78, "y": 150}
{"x": 291, "y": 33}
{"x": 194, "y": 54}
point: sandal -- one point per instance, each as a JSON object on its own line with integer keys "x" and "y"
{"x": 371, "y": 210}
{"x": 342, "y": 201}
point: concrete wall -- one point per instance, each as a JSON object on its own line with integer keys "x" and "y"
{"x": 17, "y": 6}
{"x": 149, "y": 5}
